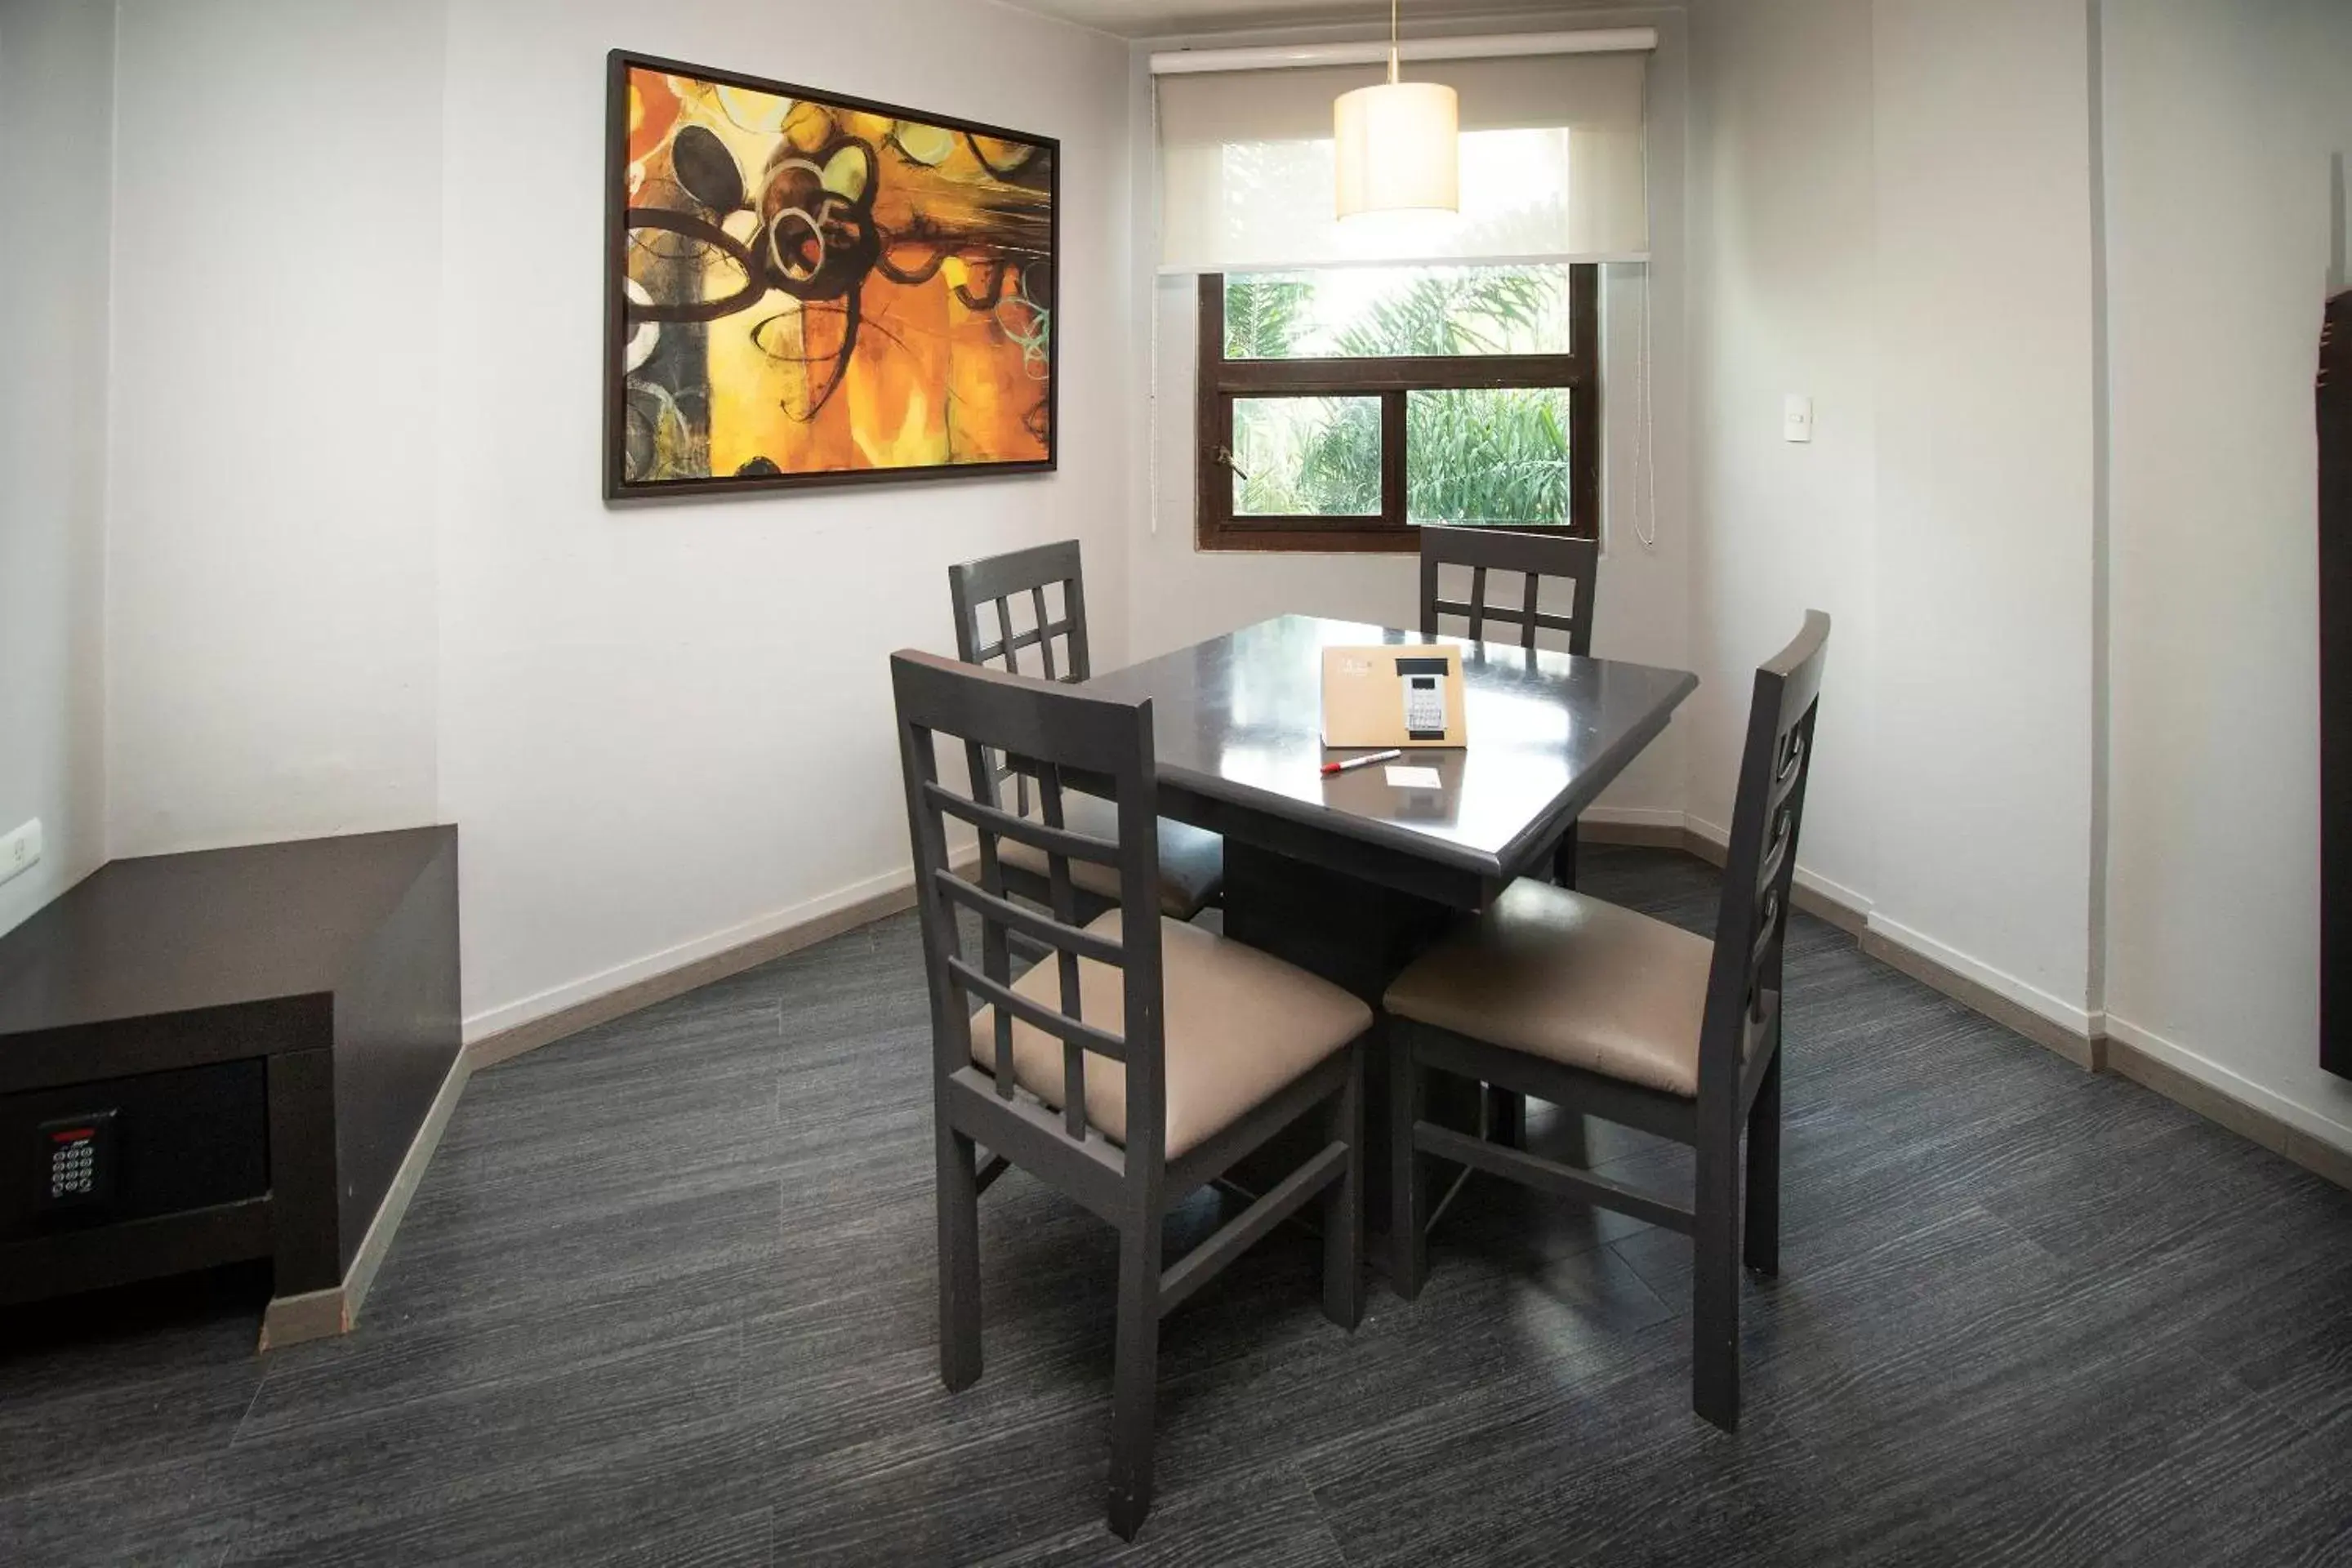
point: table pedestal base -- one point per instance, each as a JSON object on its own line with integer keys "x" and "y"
{"x": 1360, "y": 936}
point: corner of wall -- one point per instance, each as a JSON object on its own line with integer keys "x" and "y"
{"x": 57, "y": 123}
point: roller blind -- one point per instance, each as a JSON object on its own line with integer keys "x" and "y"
{"x": 1552, "y": 167}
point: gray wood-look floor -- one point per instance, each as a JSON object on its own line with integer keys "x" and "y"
{"x": 666, "y": 1297}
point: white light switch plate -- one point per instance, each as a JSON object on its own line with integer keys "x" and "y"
{"x": 1797, "y": 417}
{"x": 20, "y": 849}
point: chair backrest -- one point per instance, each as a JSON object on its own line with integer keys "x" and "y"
{"x": 1533, "y": 556}
{"x": 1011, "y": 591}
{"x": 1000, "y": 583}
{"x": 1049, "y": 733}
{"x": 1743, "y": 993}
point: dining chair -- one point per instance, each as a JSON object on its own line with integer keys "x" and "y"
{"x": 1535, "y": 556}
{"x": 1192, "y": 861}
{"x": 1598, "y": 1009}
{"x": 1137, "y": 1062}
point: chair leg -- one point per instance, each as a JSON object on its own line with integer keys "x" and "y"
{"x": 959, "y": 1205}
{"x": 1507, "y": 1117}
{"x": 1761, "y": 1246}
{"x": 1408, "y": 1234}
{"x": 1563, "y": 859}
{"x": 1715, "y": 1286}
{"x": 1135, "y": 1383}
{"x": 1343, "y": 1205}
{"x": 1574, "y": 1139}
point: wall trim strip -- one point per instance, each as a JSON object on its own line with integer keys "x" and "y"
{"x": 626, "y": 988}
{"x": 321, "y": 1314}
{"x": 2099, "y": 1043}
{"x": 630, "y": 987}
{"x": 2215, "y": 1093}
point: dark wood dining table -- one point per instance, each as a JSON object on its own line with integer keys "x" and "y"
{"x": 1350, "y": 876}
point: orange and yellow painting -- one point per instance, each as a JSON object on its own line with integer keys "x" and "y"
{"x": 808, "y": 289}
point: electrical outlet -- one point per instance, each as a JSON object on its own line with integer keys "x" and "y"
{"x": 20, "y": 849}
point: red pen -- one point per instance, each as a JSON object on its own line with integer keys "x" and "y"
{"x": 1330, "y": 768}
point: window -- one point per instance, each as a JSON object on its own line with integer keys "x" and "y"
{"x": 1340, "y": 407}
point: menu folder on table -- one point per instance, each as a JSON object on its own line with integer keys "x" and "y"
{"x": 1394, "y": 694}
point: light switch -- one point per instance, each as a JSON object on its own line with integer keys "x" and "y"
{"x": 20, "y": 849}
{"x": 1797, "y": 417}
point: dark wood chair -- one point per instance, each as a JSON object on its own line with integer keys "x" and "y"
{"x": 1192, "y": 862}
{"x": 1601, "y": 1010}
{"x": 1535, "y": 556}
{"x": 1134, "y": 1064}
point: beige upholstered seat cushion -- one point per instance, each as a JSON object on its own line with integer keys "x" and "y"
{"x": 1558, "y": 974}
{"x": 1192, "y": 861}
{"x": 1238, "y": 1025}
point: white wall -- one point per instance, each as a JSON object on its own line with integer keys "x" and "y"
{"x": 360, "y": 572}
{"x": 1982, "y": 777}
{"x": 1869, "y": 235}
{"x": 1895, "y": 209}
{"x": 270, "y": 585}
{"x": 1783, "y": 266}
{"x": 666, "y": 729}
{"x": 57, "y": 131}
{"x": 2220, "y": 115}
{"x": 1181, "y": 595}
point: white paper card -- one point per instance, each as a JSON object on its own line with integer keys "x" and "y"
{"x": 1412, "y": 778}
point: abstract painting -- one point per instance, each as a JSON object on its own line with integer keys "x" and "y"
{"x": 807, "y": 288}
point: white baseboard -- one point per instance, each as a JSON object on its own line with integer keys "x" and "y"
{"x": 1838, "y": 894}
{"x": 377, "y": 1243}
{"x": 2091, "y": 1039}
{"x": 321, "y": 1314}
{"x": 2074, "y": 1019}
{"x": 2299, "y": 1120}
{"x": 512, "y": 1016}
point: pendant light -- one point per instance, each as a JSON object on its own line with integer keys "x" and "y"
{"x": 1397, "y": 143}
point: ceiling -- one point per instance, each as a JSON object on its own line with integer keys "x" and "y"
{"x": 1153, "y": 18}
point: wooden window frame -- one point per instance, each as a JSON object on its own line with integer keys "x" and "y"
{"x": 1220, "y": 380}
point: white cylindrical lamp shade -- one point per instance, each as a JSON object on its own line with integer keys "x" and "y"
{"x": 1397, "y": 148}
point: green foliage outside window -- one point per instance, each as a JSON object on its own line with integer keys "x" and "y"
{"x": 1471, "y": 454}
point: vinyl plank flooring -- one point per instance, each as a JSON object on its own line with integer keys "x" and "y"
{"x": 666, "y": 1296}
{"x": 1971, "y": 1389}
{"x": 508, "y": 1259}
{"x": 680, "y": 1491}
{"x": 2237, "y": 1259}
{"x": 1267, "y": 1520}
{"x": 961, "y": 1485}
{"x": 407, "y": 1358}
{"x": 259, "y": 1495}
{"x": 68, "y": 1343}
{"x": 1610, "y": 1469}
{"x": 149, "y": 1515}
{"x": 109, "y": 1427}
{"x": 120, "y": 1379}
{"x": 1481, "y": 1329}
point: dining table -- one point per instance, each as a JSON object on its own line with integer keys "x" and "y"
{"x": 1349, "y": 876}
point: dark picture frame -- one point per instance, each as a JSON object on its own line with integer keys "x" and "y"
{"x": 625, "y": 317}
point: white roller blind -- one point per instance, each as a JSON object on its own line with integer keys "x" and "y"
{"x": 1551, "y": 167}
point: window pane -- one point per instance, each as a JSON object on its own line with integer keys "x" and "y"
{"x": 1307, "y": 457}
{"x": 1488, "y": 457}
{"x": 1358, "y": 312}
